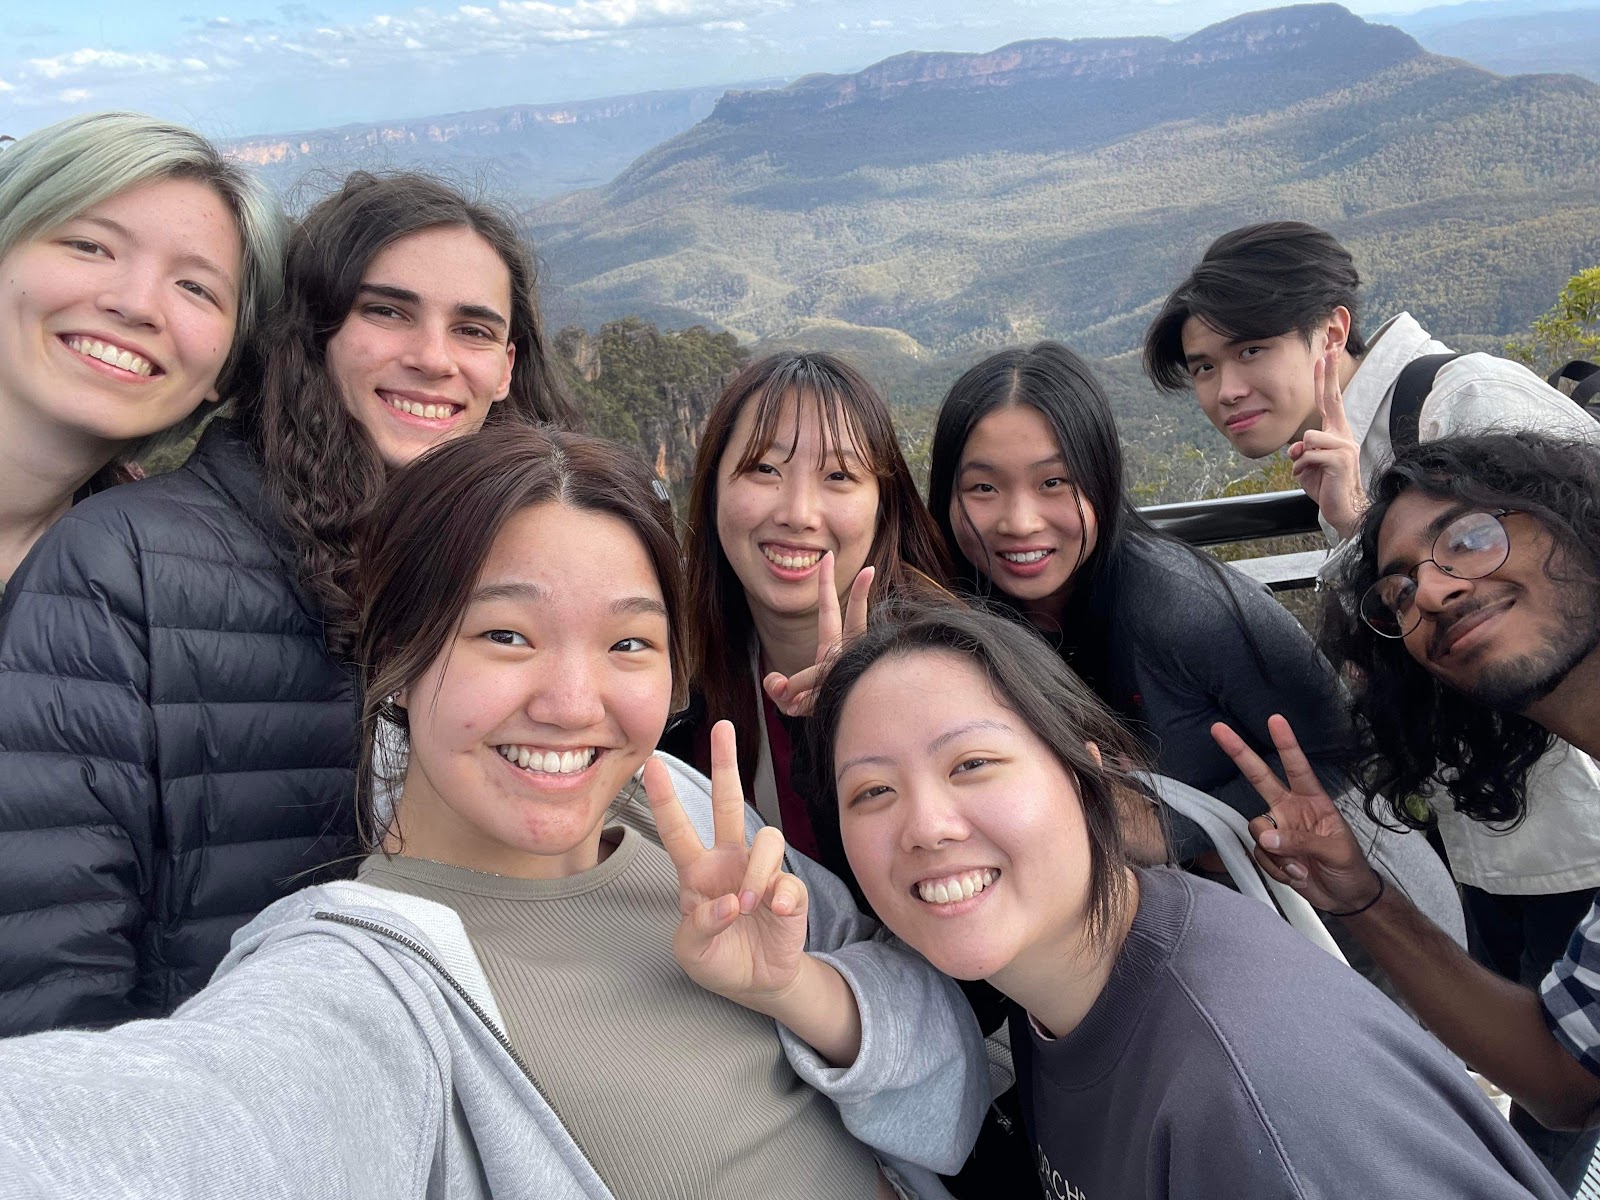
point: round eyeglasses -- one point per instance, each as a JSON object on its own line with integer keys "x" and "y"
{"x": 1473, "y": 545}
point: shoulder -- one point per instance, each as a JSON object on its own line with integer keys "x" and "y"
{"x": 1481, "y": 392}
{"x": 1167, "y": 594}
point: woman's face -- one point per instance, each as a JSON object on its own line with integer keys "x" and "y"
{"x": 426, "y": 350}
{"x": 776, "y": 520}
{"x": 552, "y": 693}
{"x": 115, "y": 323}
{"x": 963, "y": 829}
{"x": 1015, "y": 511}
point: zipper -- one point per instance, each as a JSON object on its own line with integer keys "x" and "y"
{"x": 428, "y": 957}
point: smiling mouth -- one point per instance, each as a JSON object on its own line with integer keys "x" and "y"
{"x": 1239, "y": 419}
{"x": 537, "y": 761}
{"x": 1024, "y": 557}
{"x": 1446, "y": 636}
{"x": 791, "y": 559}
{"x": 952, "y": 889}
{"x": 432, "y": 412}
{"x": 111, "y": 356}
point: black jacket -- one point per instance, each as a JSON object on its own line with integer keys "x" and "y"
{"x": 176, "y": 748}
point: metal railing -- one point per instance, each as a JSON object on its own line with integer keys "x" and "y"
{"x": 1249, "y": 519}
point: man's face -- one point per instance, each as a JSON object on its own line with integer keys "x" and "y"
{"x": 1507, "y": 639}
{"x": 1260, "y": 392}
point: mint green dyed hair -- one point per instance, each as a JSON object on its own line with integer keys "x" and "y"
{"x": 54, "y": 173}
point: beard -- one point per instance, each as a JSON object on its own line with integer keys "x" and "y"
{"x": 1516, "y": 685}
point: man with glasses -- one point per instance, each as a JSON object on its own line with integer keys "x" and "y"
{"x": 1468, "y": 618}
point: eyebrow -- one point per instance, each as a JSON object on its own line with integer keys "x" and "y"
{"x": 647, "y": 606}
{"x": 188, "y": 258}
{"x": 1430, "y": 534}
{"x": 474, "y": 312}
{"x": 933, "y": 747}
{"x": 977, "y": 464}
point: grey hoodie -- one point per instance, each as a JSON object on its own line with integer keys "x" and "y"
{"x": 348, "y": 1046}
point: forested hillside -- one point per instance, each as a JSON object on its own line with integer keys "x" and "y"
{"x": 933, "y": 205}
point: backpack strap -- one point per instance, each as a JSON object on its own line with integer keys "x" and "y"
{"x": 1584, "y": 377}
{"x": 1410, "y": 392}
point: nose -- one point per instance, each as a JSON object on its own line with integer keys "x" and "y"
{"x": 428, "y": 351}
{"x": 931, "y": 819}
{"x": 1438, "y": 589}
{"x": 1020, "y": 515}
{"x": 797, "y": 500}
{"x": 564, "y": 692}
{"x": 1232, "y": 386}
{"x": 133, "y": 297}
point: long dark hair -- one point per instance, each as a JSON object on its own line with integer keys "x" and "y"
{"x": 905, "y": 547}
{"x": 322, "y": 472}
{"x": 425, "y": 546}
{"x": 1421, "y": 730}
{"x": 1030, "y": 681}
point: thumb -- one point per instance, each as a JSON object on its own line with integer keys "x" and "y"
{"x": 712, "y": 917}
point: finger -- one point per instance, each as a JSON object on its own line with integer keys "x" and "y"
{"x": 711, "y": 917}
{"x": 1296, "y": 766}
{"x": 1279, "y": 869}
{"x": 1296, "y": 449}
{"x": 788, "y": 896}
{"x": 1268, "y": 786}
{"x": 800, "y": 704}
{"x": 855, "y": 611}
{"x": 766, "y": 857}
{"x": 829, "y": 623}
{"x": 776, "y": 685}
{"x": 677, "y": 832}
{"x": 1332, "y": 405}
{"x": 727, "y": 792}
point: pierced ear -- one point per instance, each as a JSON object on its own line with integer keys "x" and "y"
{"x": 400, "y": 699}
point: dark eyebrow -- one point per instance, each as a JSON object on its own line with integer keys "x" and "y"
{"x": 532, "y": 593}
{"x": 977, "y": 464}
{"x": 472, "y": 312}
{"x": 188, "y": 258}
{"x": 1430, "y": 534}
{"x": 934, "y": 746}
{"x": 643, "y": 606}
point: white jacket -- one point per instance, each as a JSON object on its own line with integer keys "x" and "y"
{"x": 1557, "y": 849}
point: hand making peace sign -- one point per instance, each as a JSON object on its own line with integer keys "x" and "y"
{"x": 743, "y": 933}
{"x": 1303, "y": 840}
{"x": 1327, "y": 461}
{"x": 793, "y": 694}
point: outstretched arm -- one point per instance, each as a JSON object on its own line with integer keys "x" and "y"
{"x": 1496, "y": 1026}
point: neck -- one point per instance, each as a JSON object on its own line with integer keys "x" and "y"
{"x": 42, "y": 466}
{"x": 1048, "y": 614}
{"x": 788, "y": 642}
{"x": 1058, "y": 989}
{"x": 1572, "y": 710}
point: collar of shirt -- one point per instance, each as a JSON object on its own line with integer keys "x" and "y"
{"x": 1396, "y": 342}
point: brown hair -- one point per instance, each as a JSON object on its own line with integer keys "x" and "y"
{"x": 321, "y": 469}
{"x": 906, "y": 548}
{"x": 424, "y": 550}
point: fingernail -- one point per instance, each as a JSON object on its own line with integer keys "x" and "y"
{"x": 727, "y": 906}
{"x": 1270, "y": 840}
{"x": 747, "y": 901}
{"x": 1294, "y": 871}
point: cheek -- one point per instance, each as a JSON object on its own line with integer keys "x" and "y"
{"x": 869, "y": 849}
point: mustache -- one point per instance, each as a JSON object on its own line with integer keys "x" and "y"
{"x": 1447, "y": 622}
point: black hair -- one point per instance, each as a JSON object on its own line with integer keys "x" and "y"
{"x": 1261, "y": 281}
{"x": 1059, "y": 384}
{"x": 1028, "y": 680}
{"x": 1419, "y": 730}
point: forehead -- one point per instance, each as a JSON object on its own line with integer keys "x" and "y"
{"x": 175, "y": 214}
{"x": 449, "y": 266}
{"x": 906, "y": 698}
{"x": 797, "y": 423}
{"x": 574, "y": 556}
{"x": 1407, "y": 532}
{"x": 1016, "y": 435}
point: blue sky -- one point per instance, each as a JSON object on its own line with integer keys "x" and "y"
{"x": 235, "y": 67}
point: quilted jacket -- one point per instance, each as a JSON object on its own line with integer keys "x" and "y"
{"x": 177, "y": 750}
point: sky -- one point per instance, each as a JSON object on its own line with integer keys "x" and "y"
{"x": 236, "y": 67}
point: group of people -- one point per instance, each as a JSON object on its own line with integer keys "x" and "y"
{"x": 397, "y": 799}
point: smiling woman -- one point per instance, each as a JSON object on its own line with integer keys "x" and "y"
{"x": 198, "y": 625}
{"x": 134, "y": 261}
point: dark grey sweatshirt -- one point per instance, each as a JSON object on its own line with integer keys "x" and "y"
{"x": 1228, "y": 1056}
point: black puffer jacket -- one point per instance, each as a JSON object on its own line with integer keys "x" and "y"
{"x": 176, "y": 747}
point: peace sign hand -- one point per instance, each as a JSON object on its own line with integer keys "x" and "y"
{"x": 793, "y": 694}
{"x": 1303, "y": 840}
{"x": 1327, "y": 461}
{"x": 743, "y": 932}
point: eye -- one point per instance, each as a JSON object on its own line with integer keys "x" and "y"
{"x": 968, "y": 765}
{"x": 384, "y": 311}
{"x": 506, "y": 637}
{"x": 1198, "y": 369}
{"x": 981, "y": 489}
{"x": 764, "y": 468}
{"x": 478, "y": 332}
{"x": 632, "y": 645}
{"x": 870, "y": 792}
{"x": 85, "y": 246}
{"x": 1251, "y": 351}
{"x": 198, "y": 289}
{"x": 840, "y": 477}
{"x": 1055, "y": 481}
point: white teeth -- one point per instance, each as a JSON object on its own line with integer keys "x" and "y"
{"x": 428, "y": 411}
{"x": 548, "y": 762}
{"x": 123, "y": 359}
{"x": 1029, "y": 556}
{"x": 795, "y": 562}
{"x": 957, "y": 887}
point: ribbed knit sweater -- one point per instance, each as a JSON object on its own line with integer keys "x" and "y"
{"x": 671, "y": 1091}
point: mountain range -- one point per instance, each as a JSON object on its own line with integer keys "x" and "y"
{"x": 936, "y": 204}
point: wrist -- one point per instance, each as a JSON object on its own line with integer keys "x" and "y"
{"x": 783, "y": 1001}
{"x": 1376, "y": 897}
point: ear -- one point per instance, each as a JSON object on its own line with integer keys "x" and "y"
{"x": 401, "y": 699}
{"x": 1094, "y": 753}
{"x": 505, "y": 379}
{"x": 1337, "y": 329}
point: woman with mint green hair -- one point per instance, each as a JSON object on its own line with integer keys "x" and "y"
{"x": 135, "y": 261}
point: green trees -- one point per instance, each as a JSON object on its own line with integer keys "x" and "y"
{"x": 1570, "y": 329}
